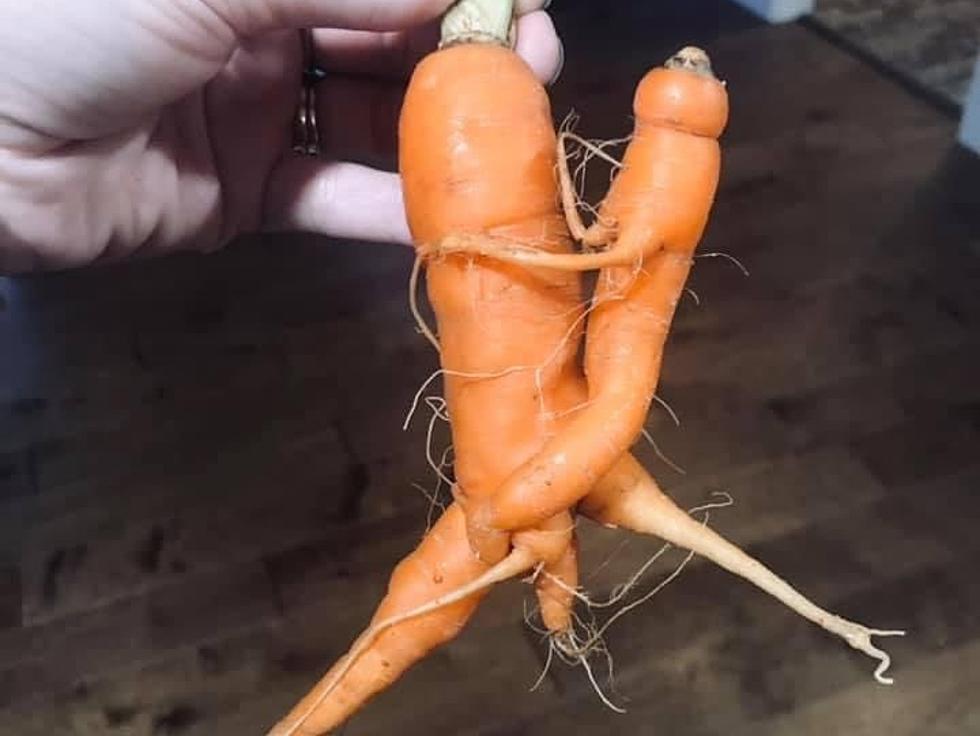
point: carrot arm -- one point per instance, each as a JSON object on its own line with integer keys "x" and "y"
{"x": 628, "y": 497}
{"x": 625, "y": 253}
{"x": 599, "y": 232}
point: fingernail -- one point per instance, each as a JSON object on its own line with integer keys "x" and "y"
{"x": 561, "y": 63}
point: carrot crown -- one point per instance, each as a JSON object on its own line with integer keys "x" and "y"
{"x": 692, "y": 59}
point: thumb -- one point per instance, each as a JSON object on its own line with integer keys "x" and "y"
{"x": 118, "y": 60}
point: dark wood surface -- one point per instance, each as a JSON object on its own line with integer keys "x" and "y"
{"x": 204, "y": 483}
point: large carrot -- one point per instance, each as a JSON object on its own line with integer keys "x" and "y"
{"x": 477, "y": 156}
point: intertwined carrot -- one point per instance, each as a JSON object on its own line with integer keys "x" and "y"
{"x": 533, "y": 436}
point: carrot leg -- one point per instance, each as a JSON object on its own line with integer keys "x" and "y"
{"x": 629, "y": 498}
{"x": 555, "y": 586}
{"x": 431, "y": 595}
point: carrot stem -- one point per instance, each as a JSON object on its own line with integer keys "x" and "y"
{"x": 479, "y": 21}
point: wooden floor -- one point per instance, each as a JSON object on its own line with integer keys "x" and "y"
{"x": 203, "y": 480}
{"x": 934, "y": 42}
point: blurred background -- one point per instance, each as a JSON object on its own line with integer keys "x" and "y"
{"x": 204, "y": 482}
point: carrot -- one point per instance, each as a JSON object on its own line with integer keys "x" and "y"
{"x": 508, "y": 336}
{"x": 657, "y": 208}
{"x": 629, "y": 498}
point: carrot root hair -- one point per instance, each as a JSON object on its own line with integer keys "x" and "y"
{"x": 602, "y": 230}
{"x": 413, "y": 305}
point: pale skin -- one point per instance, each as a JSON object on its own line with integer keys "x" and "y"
{"x": 148, "y": 126}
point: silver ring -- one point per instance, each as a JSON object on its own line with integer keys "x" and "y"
{"x": 306, "y": 134}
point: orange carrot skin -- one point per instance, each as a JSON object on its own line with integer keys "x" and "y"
{"x": 660, "y": 202}
{"x": 595, "y": 437}
{"x": 476, "y": 145}
{"x": 477, "y": 156}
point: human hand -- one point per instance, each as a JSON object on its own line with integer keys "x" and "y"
{"x": 147, "y": 126}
